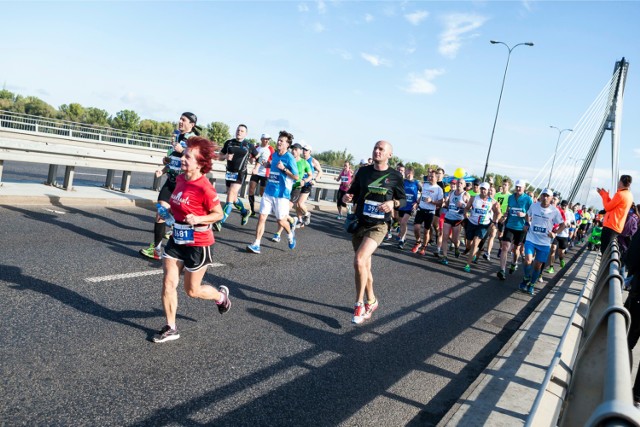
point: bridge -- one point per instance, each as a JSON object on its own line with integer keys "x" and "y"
{"x": 446, "y": 347}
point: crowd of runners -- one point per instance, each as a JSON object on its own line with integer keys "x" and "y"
{"x": 453, "y": 216}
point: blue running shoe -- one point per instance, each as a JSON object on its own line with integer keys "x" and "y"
{"x": 292, "y": 242}
{"x": 253, "y": 248}
{"x": 524, "y": 285}
{"x": 530, "y": 289}
{"x": 245, "y": 217}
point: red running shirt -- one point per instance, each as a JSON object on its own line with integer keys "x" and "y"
{"x": 194, "y": 197}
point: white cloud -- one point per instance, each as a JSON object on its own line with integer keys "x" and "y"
{"x": 416, "y": 17}
{"x": 456, "y": 27}
{"x": 318, "y": 27}
{"x": 302, "y": 7}
{"x": 342, "y": 53}
{"x": 322, "y": 6}
{"x": 368, "y": 17}
{"x": 423, "y": 83}
{"x": 374, "y": 60}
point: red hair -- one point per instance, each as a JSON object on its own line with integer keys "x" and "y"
{"x": 206, "y": 151}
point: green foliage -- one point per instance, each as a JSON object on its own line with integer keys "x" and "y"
{"x": 166, "y": 128}
{"x": 217, "y": 132}
{"x": 73, "y": 112}
{"x": 252, "y": 141}
{"x": 33, "y": 106}
{"x": 95, "y": 116}
{"x": 5, "y": 94}
{"x": 149, "y": 126}
{"x": 126, "y": 120}
{"x": 334, "y": 158}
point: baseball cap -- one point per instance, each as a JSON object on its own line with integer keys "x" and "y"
{"x": 306, "y": 147}
{"x": 547, "y": 191}
{"x": 485, "y": 185}
{"x": 296, "y": 145}
{"x": 265, "y": 136}
{"x": 521, "y": 183}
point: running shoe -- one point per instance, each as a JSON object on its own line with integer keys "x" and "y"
{"x": 151, "y": 252}
{"x": 339, "y": 217}
{"x": 486, "y": 256}
{"x": 307, "y": 218}
{"x": 475, "y": 259}
{"x": 513, "y": 268}
{"x": 245, "y": 217}
{"x": 225, "y": 305}
{"x": 166, "y": 334}
{"x": 540, "y": 279}
{"x": 416, "y": 247}
{"x": 276, "y": 238}
{"x": 423, "y": 251}
{"x": 444, "y": 261}
{"x": 550, "y": 270}
{"x": 369, "y": 309}
{"x": 254, "y": 214}
{"x": 401, "y": 244}
{"x": 501, "y": 275}
{"x": 524, "y": 285}
{"x": 217, "y": 226}
{"x": 530, "y": 289}
{"x": 562, "y": 263}
{"x": 358, "y": 313}
{"x": 389, "y": 235}
{"x": 253, "y": 248}
{"x": 437, "y": 253}
{"x": 292, "y": 242}
{"x": 467, "y": 268}
{"x": 457, "y": 253}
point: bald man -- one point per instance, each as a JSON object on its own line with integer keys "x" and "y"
{"x": 376, "y": 190}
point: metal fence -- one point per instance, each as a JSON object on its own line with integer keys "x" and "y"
{"x": 599, "y": 390}
{"x": 96, "y": 134}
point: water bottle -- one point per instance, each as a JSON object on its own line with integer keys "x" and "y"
{"x": 165, "y": 214}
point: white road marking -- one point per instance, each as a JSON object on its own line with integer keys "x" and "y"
{"x": 132, "y": 275}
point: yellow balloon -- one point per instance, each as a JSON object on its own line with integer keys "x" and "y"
{"x": 447, "y": 188}
{"x": 458, "y": 173}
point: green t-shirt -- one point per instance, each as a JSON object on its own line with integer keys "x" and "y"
{"x": 503, "y": 200}
{"x": 304, "y": 171}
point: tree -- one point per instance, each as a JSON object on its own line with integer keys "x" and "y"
{"x": 126, "y": 120}
{"x": 95, "y": 116}
{"x": 73, "y": 112}
{"x": 5, "y": 94}
{"x": 150, "y": 127}
{"x": 33, "y": 106}
{"x": 166, "y": 128}
{"x": 217, "y": 132}
{"x": 334, "y": 158}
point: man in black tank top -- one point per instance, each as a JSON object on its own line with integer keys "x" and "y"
{"x": 376, "y": 190}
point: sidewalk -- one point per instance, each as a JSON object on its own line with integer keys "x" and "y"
{"x": 35, "y": 194}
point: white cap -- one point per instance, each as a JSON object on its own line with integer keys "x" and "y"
{"x": 265, "y": 136}
{"x": 485, "y": 185}
{"x": 521, "y": 183}
{"x": 547, "y": 191}
{"x": 306, "y": 147}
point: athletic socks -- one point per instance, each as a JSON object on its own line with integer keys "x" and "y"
{"x": 252, "y": 202}
{"x": 239, "y": 205}
{"x": 534, "y": 277}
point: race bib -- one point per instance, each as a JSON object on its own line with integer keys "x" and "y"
{"x": 175, "y": 162}
{"x": 410, "y": 198}
{"x": 537, "y": 229}
{"x": 231, "y": 176}
{"x": 182, "y": 234}
{"x": 371, "y": 209}
{"x": 274, "y": 176}
{"x": 344, "y": 179}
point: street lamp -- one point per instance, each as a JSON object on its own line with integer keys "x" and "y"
{"x": 486, "y": 165}
{"x": 556, "y": 151}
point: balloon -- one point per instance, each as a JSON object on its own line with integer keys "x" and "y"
{"x": 447, "y": 188}
{"x": 459, "y": 173}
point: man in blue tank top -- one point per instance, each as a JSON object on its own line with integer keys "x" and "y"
{"x": 517, "y": 206}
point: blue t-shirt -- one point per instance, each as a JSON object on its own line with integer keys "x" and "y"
{"x": 514, "y": 206}
{"x": 280, "y": 184}
{"x": 411, "y": 190}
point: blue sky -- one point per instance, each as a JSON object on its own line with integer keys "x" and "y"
{"x": 343, "y": 74}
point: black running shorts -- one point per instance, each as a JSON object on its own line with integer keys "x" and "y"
{"x": 193, "y": 257}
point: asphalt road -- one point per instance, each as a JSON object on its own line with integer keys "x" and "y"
{"x": 80, "y": 306}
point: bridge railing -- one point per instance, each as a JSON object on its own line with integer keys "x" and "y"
{"x": 593, "y": 386}
{"x": 80, "y": 131}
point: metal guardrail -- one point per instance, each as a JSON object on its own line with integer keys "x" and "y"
{"x": 80, "y": 131}
{"x": 598, "y": 392}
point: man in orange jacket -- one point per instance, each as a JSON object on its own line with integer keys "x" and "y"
{"x": 617, "y": 209}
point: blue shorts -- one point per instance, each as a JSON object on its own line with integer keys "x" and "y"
{"x": 542, "y": 252}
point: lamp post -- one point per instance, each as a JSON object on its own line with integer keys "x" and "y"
{"x": 556, "y": 151}
{"x": 504, "y": 77}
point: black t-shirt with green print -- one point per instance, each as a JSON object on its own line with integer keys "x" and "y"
{"x": 372, "y": 187}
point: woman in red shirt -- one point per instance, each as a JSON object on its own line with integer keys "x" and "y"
{"x": 195, "y": 206}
